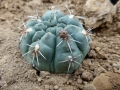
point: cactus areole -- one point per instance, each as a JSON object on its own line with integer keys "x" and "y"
{"x": 54, "y": 42}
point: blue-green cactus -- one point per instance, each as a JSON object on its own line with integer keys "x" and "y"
{"x": 55, "y": 42}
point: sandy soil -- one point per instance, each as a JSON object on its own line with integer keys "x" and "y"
{"x": 16, "y": 74}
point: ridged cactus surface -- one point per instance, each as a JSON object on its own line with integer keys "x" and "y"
{"x": 55, "y": 42}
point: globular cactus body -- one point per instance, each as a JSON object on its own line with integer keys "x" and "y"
{"x": 54, "y": 42}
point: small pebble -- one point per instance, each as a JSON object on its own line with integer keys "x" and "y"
{"x": 69, "y": 82}
{"x": 97, "y": 49}
{"x": 99, "y": 70}
{"x": 21, "y": 65}
{"x": 89, "y": 87}
{"x": 79, "y": 80}
{"x": 2, "y": 19}
{"x": 46, "y": 87}
{"x": 39, "y": 79}
{"x": 51, "y": 87}
{"x": 60, "y": 89}
{"x": 44, "y": 74}
{"x": 55, "y": 87}
{"x": 87, "y": 76}
{"x": 84, "y": 82}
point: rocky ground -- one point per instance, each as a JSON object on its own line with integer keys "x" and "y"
{"x": 99, "y": 71}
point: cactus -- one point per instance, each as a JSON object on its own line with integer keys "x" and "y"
{"x": 54, "y": 42}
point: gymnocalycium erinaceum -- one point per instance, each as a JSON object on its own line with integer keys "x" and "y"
{"x": 54, "y": 42}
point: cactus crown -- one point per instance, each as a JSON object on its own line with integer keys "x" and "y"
{"x": 54, "y": 42}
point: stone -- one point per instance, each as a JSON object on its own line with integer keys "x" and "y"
{"x": 46, "y": 87}
{"x": 8, "y": 15}
{"x": 87, "y": 76}
{"x": 97, "y": 49}
{"x": 44, "y": 74}
{"x": 89, "y": 87}
{"x": 117, "y": 65}
{"x": 34, "y": 2}
{"x": 55, "y": 87}
{"x": 2, "y": 19}
{"x": 21, "y": 65}
{"x": 99, "y": 70}
{"x": 118, "y": 25}
{"x": 37, "y": 88}
{"x": 79, "y": 80}
{"x": 107, "y": 81}
{"x": 97, "y": 14}
{"x": 3, "y": 83}
{"x": 39, "y": 79}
